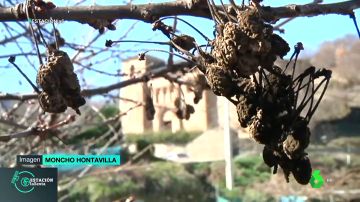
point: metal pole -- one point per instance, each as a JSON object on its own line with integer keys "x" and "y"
{"x": 229, "y": 172}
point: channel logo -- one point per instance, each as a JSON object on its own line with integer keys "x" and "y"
{"x": 316, "y": 180}
{"x": 21, "y": 181}
{"x": 28, "y": 184}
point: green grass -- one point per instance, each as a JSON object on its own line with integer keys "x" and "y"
{"x": 166, "y": 181}
{"x": 95, "y": 189}
{"x": 252, "y": 169}
{"x": 344, "y": 142}
{"x": 160, "y": 181}
{"x": 248, "y": 171}
{"x": 180, "y": 138}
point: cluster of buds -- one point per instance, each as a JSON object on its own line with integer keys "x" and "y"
{"x": 270, "y": 113}
{"x": 270, "y": 102}
{"x": 241, "y": 68}
{"x": 241, "y": 47}
{"x": 273, "y": 112}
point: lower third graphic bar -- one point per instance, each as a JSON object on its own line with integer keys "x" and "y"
{"x": 69, "y": 159}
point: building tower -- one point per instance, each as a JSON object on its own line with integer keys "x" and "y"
{"x": 164, "y": 94}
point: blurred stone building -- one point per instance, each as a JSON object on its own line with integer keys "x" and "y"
{"x": 163, "y": 93}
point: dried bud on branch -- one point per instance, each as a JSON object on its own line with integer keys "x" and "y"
{"x": 149, "y": 104}
{"x": 165, "y": 29}
{"x": 42, "y": 6}
{"x": 184, "y": 41}
{"x": 141, "y": 56}
{"x": 100, "y": 24}
{"x": 60, "y": 84}
{"x": 183, "y": 110}
{"x": 199, "y": 87}
{"x": 108, "y": 43}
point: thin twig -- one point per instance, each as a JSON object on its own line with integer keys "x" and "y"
{"x": 12, "y": 61}
{"x": 352, "y": 15}
{"x": 32, "y": 31}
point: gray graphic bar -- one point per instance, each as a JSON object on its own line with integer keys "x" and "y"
{"x": 28, "y": 160}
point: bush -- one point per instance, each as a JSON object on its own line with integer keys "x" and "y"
{"x": 90, "y": 133}
{"x": 253, "y": 195}
{"x": 181, "y": 137}
{"x": 110, "y": 111}
{"x": 96, "y": 131}
{"x": 95, "y": 189}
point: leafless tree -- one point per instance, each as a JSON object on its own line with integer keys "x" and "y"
{"x": 28, "y": 129}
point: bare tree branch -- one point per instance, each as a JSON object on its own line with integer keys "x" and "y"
{"x": 151, "y": 12}
{"x": 12, "y": 123}
{"x": 310, "y": 10}
{"x": 37, "y": 130}
{"x": 106, "y": 89}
